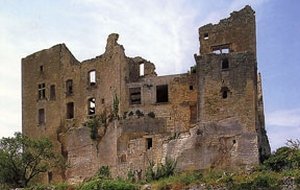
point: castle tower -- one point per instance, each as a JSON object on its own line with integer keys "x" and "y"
{"x": 228, "y": 84}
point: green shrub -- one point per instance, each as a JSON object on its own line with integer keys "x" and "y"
{"x": 285, "y": 158}
{"x": 162, "y": 170}
{"x": 104, "y": 172}
{"x": 104, "y": 184}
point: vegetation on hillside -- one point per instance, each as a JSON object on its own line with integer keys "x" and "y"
{"x": 21, "y": 159}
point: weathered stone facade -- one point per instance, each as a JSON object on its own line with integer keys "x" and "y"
{"x": 209, "y": 117}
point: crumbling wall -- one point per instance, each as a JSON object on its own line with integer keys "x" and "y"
{"x": 236, "y": 33}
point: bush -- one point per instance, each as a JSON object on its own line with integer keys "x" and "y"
{"x": 104, "y": 172}
{"x": 162, "y": 170}
{"x": 104, "y": 184}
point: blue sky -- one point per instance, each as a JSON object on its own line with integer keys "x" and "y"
{"x": 162, "y": 31}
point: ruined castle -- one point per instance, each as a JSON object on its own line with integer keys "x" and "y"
{"x": 115, "y": 111}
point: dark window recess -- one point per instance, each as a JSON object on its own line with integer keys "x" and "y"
{"x": 41, "y": 68}
{"x": 205, "y": 36}
{"x": 233, "y": 141}
{"x": 102, "y": 101}
{"x": 92, "y": 106}
{"x": 42, "y": 91}
{"x": 162, "y": 93}
{"x": 193, "y": 113}
{"x": 224, "y": 92}
{"x": 41, "y": 116}
{"x": 225, "y": 63}
{"x": 92, "y": 78}
{"x": 52, "y": 92}
{"x": 191, "y": 87}
{"x": 50, "y": 177}
{"x": 69, "y": 87}
{"x": 149, "y": 143}
{"x": 70, "y": 110}
{"x": 135, "y": 95}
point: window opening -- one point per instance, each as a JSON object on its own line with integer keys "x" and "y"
{"x": 69, "y": 86}
{"x": 225, "y": 63}
{"x": 205, "y": 36}
{"x": 224, "y": 91}
{"x": 42, "y": 91}
{"x": 135, "y": 95}
{"x": 70, "y": 110}
{"x": 221, "y": 49}
{"x": 52, "y": 92}
{"x": 92, "y": 78}
{"x": 234, "y": 141}
{"x": 92, "y": 106}
{"x": 142, "y": 69}
{"x": 41, "y": 68}
{"x": 162, "y": 93}
{"x": 50, "y": 176}
{"x": 191, "y": 87}
{"x": 41, "y": 116}
{"x": 149, "y": 143}
{"x": 102, "y": 101}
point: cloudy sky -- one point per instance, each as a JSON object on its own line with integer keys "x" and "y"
{"x": 163, "y": 31}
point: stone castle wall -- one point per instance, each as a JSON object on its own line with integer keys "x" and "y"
{"x": 210, "y": 117}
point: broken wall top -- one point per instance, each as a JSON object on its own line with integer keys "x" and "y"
{"x": 237, "y": 33}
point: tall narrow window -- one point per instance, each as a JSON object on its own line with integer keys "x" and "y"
{"x": 92, "y": 78}
{"x": 149, "y": 143}
{"x": 70, "y": 110}
{"x": 41, "y": 68}
{"x": 225, "y": 63}
{"x": 142, "y": 69}
{"x": 69, "y": 87}
{"x": 92, "y": 106}
{"x": 41, "y": 116}
{"x": 42, "y": 91}
{"x": 162, "y": 93}
{"x": 52, "y": 92}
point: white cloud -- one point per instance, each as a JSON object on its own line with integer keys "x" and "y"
{"x": 284, "y": 118}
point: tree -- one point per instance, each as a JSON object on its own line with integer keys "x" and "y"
{"x": 285, "y": 158}
{"x": 22, "y": 158}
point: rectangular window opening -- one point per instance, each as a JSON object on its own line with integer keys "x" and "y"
{"x": 135, "y": 95}
{"x": 225, "y": 63}
{"x": 191, "y": 87}
{"x": 70, "y": 110}
{"x": 205, "y": 37}
{"x": 41, "y": 68}
{"x": 162, "y": 93}
{"x": 41, "y": 91}
{"x": 149, "y": 143}
{"x": 52, "y": 92}
{"x": 92, "y": 106}
{"x": 69, "y": 87}
{"x": 142, "y": 69}
{"x": 92, "y": 78}
{"x": 41, "y": 116}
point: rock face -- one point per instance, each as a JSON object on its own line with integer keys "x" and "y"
{"x": 211, "y": 116}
